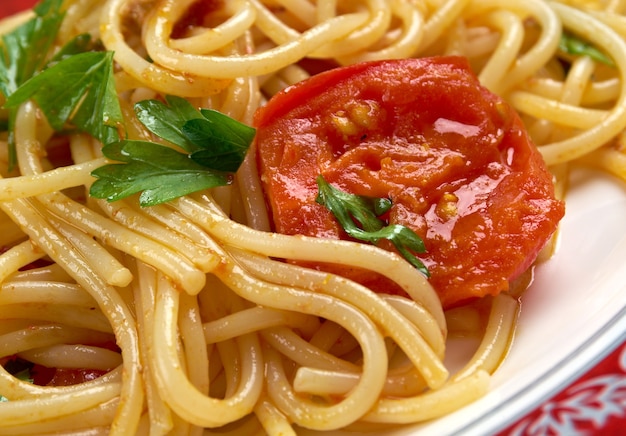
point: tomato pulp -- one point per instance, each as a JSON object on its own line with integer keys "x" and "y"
{"x": 453, "y": 157}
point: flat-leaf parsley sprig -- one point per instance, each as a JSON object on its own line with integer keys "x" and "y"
{"x": 75, "y": 90}
{"x": 350, "y": 209}
{"x": 73, "y": 87}
{"x": 24, "y": 52}
{"x": 78, "y": 92}
{"x": 215, "y": 145}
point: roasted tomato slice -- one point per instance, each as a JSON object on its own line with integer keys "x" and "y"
{"x": 453, "y": 157}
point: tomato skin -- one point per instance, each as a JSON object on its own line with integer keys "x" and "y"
{"x": 45, "y": 376}
{"x": 454, "y": 158}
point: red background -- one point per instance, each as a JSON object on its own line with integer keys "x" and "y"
{"x": 8, "y": 7}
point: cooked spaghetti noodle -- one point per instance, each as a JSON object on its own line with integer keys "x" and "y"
{"x": 212, "y": 334}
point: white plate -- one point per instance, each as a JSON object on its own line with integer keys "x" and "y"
{"x": 572, "y": 315}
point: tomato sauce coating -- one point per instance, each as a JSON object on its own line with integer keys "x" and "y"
{"x": 453, "y": 157}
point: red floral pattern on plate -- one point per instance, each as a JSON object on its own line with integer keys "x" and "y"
{"x": 593, "y": 404}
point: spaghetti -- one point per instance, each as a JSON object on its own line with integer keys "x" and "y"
{"x": 211, "y": 333}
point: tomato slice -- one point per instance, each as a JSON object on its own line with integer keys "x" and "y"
{"x": 453, "y": 157}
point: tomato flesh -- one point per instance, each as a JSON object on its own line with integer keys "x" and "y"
{"x": 453, "y": 157}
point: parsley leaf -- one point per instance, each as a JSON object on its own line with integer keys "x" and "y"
{"x": 23, "y": 52}
{"x": 161, "y": 172}
{"x": 348, "y": 208}
{"x": 223, "y": 141}
{"x": 79, "y": 44}
{"x": 573, "y": 45}
{"x": 167, "y": 120}
{"x": 213, "y": 139}
{"x": 78, "y": 89}
{"x": 215, "y": 144}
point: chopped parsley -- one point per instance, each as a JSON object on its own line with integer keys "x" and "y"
{"x": 573, "y": 45}
{"x": 214, "y": 144}
{"x": 350, "y": 209}
{"x": 75, "y": 90}
{"x": 24, "y": 52}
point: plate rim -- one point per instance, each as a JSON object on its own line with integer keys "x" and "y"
{"x": 561, "y": 375}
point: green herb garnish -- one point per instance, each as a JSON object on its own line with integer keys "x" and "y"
{"x": 167, "y": 120}
{"x": 215, "y": 146}
{"x": 78, "y": 90}
{"x": 212, "y": 139}
{"x": 573, "y": 45}
{"x": 24, "y": 52}
{"x": 350, "y": 209}
{"x": 75, "y": 90}
{"x": 79, "y": 44}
